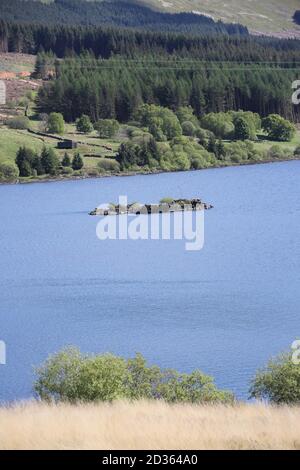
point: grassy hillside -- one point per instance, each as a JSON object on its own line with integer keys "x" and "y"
{"x": 11, "y": 140}
{"x": 267, "y": 16}
{"x": 270, "y": 16}
{"x": 145, "y": 425}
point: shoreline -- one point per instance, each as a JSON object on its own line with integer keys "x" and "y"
{"x": 62, "y": 178}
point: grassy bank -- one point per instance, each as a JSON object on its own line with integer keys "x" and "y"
{"x": 93, "y": 149}
{"x": 149, "y": 426}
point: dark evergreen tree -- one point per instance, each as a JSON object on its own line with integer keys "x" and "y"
{"x": 66, "y": 161}
{"x": 49, "y": 161}
{"x": 77, "y": 162}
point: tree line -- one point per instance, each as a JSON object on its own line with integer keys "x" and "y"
{"x": 105, "y": 42}
{"x": 72, "y": 377}
{"x": 116, "y": 88}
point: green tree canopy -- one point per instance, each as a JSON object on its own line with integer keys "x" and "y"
{"x": 49, "y": 161}
{"x": 107, "y": 128}
{"x": 8, "y": 171}
{"x": 56, "y": 123}
{"x": 278, "y": 128}
{"x": 278, "y": 382}
{"x": 242, "y": 129}
{"x": 83, "y": 124}
{"x": 73, "y": 377}
{"x": 219, "y": 123}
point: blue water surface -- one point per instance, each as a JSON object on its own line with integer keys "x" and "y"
{"x": 225, "y": 309}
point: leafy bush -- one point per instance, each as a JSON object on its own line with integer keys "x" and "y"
{"x": 56, "y": 123}
{"x": 188, "y": 128}
{"x": 72, "y": 377}
{"x": 18, "y": 122}
{"x": 8, "y": 171}
{"x": 297, "y": 151}
{"x": 107, "y": 128}
{"x": 219, "y": 123}
{"x": 162, "y": 122}
{"x": 241, "y": 152}
{"x": 278, "y": 152}
{"x": 278, "y": 382}
{"x": 66, "y": 170}
{"x": 83, "y": 124}
{"x": 278, "y": 128}
{"x": 108, "y": 164}
{"x": 186, "y": 113}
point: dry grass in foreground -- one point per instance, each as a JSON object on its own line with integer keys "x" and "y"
{"x": 148, "y": 426}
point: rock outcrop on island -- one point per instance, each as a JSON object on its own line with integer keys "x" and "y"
{"x": 172, "y": 205}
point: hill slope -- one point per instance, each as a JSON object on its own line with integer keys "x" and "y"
{"x": 112, "y": 13}
{"x": 269, "y": 16}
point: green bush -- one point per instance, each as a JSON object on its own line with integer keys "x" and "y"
{"x": 83, "y": 124}
{"x": 72, "y": 377}
{"x": 8, "y": 172}
{"x": 19, "y": 122}
{"x": 107, "y": 128}
{"x": 278, "y": 128}
{"x": 188, "y": 128}
{"x": 108, "y": 164}
{"x": 278, "y": 152}
{"x": 297, "y": 151}
{"x": 186, "y": 113}
{"x": 56, "y": 123}
{"x": 219, "y": 123}
{"x": 278, "y": 382}
{"x": 66, "y": 170}
{"x": 162, "y": 123}
{"x": 241, "y": 152}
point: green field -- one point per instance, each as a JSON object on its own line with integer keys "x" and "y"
{"x": 11, "y": 140}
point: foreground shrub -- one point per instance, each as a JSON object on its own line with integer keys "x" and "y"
{"x": 72, "y": 377}
{"x": 278, "y": 382}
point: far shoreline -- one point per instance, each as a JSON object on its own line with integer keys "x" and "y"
{"x": 61, "y": 178}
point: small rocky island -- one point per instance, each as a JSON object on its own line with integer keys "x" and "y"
{"x": 165, "y": 205}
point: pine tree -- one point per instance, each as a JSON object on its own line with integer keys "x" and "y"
{"x": 77, "y": 162}
{"x": 83, "y": 124}
{"x": 49, "y": 161}
{"x": 66, "y": 161}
